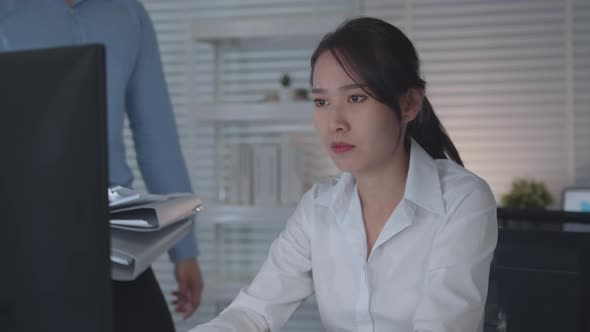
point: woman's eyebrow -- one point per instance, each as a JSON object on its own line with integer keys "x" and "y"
{"x": 342, "y": 88}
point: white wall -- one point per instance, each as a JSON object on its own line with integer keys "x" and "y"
{"x": 509, "y": 79}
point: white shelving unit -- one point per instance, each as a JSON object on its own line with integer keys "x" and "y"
{"x": 233, "y": 215}
{"x": 269, "y": 32}
{"x": 275, "y": 32}
{"x": 216, "y": 31}
{"x": 290, "y": 32}
{"x": 254, "y": 112}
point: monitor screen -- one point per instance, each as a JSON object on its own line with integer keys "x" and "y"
{"x": 54, "y": 235}
{"x": 576, "y": 199}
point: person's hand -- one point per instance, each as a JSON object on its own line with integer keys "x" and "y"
{"x": 190, "y": 287}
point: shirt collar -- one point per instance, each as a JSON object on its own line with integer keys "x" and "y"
{"x": 423, "y": 186}
{"x": 423, "y": 182}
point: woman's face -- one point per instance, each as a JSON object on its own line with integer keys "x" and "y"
{"x": 359, "y": 132}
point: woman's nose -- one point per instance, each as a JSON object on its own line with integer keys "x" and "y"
{"x": 338, "y": 122}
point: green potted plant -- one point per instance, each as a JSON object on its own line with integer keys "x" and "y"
{"x": 527, "y": 194}
{"x": 286, "y": 92}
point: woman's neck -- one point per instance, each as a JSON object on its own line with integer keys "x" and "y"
{"x": 383, "y": 187}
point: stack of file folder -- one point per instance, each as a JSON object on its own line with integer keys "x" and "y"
{"x": 145, "y": 226}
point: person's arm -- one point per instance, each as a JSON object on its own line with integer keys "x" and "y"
{"x": 283, "y": 282}
{"x": 459, "y": 266}
{"x": 158, "y": 150}
{"x": 154, "y": 129}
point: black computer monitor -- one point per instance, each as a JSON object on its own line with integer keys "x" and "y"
{"x": 54, "y": 235}
{"x": 541, "y": 275}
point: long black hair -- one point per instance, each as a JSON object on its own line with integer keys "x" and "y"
{"x": 387, "y": 63}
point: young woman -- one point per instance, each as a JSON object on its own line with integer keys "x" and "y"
{"x": 402, "y": 240}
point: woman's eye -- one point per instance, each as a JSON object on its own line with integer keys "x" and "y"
{"x": 356, "y": 99}
{"x": 320, "y": 102}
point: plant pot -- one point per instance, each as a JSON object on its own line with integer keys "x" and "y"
{"x": 286, "y": 94}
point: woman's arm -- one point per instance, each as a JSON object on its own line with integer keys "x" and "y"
{"x": 235, "y": 320}
{"x": 283, "y": 282}
{"x": 459, "y": 266}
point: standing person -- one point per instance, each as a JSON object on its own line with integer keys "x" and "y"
{"x": 403, "y": 239}
{"x": 135, "y": 87}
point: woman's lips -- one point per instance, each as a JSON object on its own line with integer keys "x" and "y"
{"x": 340, "y": 147}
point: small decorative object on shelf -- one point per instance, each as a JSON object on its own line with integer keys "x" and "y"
{"x": 300, "y": 95}
{"x": 286, "y": 92}
{"x": 271, "y": 96}
{"x": 286, "y": 80}
{"x": 527, "y": 193}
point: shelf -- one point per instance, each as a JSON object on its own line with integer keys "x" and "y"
{"x": 244, "y": 215}
{"x": 252, "y": 28}
{"x": 244, "y": 112}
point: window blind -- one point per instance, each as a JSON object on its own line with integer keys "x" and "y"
{"x": 501, "y": 75}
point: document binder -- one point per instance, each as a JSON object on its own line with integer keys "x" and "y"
{"x": 133, "y": 252}
{"x": 155, "y": 215}
{"x": 121, "y": 197}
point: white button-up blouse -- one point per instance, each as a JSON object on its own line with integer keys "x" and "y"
{"x": 428, "y": 270}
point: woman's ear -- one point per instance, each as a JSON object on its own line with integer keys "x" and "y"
{"x": 411, "y": 104}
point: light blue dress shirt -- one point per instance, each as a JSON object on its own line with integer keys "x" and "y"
{"x": 135, "y": 82}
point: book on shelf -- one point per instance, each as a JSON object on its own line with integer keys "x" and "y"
{"x": 291, "y": 171}
{"x": 240, "y": 187}
{"x": 265, "y": 174}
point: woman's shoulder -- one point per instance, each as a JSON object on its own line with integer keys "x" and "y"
{"x": 457, "y": 182}
{"x": 314, "y": 206}
{"x": 322, "y": 191}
